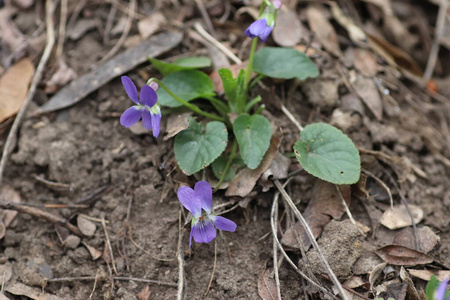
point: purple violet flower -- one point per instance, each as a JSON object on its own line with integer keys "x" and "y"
{"x": 442, "y": 289}
{"x": 146, "y": 108}
{"x": 260, "y": 29}
{"x": 204, "y": 223}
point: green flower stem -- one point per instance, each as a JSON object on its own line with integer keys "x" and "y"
{"x": 252, "y": 103}
{"x": 228, "y": 165}
{"x": 191, "y": 106}
{"x": 249, "y": 69}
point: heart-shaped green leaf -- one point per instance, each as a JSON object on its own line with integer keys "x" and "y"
{"x": 196, "y": 147}
{"x": 284, "y": 63}
{"x": 253, "y": 135}
{"x": 326, "y": 152}
{"x": 186, "y": 84}
{"x": 180, "y": 64}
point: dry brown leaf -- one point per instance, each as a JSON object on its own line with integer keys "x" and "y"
{"x": 426, "y": 274}
{"x": 289, "y": 30}
{"x": 21, "y": 289}
{"x": 217, "y": 82}
{"x": 403, "y": 256}
{"x": 324, "y": 206}
{"x": 95, "y": 254}
{"x": 365, "y": 62}
{"x": 150, "y": 25}
{"x": 398, "y": 217}
{"x": 144, "y": 294}
{"x": 246, "y": 179}
{"x": 427, "y": 239}
{"x": 368, "y": 92}
{"x": 61, "y": 77}
{"x": 86, "y": 226}
{"x": 267, "y": 288}
{"x": 354, "y": 282}
{"x": 14, "y": 87}
{"x": 81, "y": 27}
{"x": 176, "y": 123}
{"x": 323, "y": 30}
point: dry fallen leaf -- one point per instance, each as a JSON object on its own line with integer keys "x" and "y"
{"x": 357, "y": 35}
{"x": 81, "y": 27}
{"x": 267, "y": 288}
{"x": 176, "y": 123}
{"x": 61, "y": 77}
{"x": 289, "y": 30}
{"x": 426, "y": 274}
{"x": 246, "y": 179}
{"x": 403, "y": 256}
{"x": 14, "y": 87}
{"x": 95, "y": 254}
{"x": 323, "y": 30}
{"x": 368, "y": 92}
{"x": 398, "y": 217}
{"x": 21, "y": 289}
{"x": 150, "y": 25}
{"x": 427, "y": 239}
{"x": 324, "y": 206}
{"x": 365, "y": 62}
{"x": 144, "y": 294}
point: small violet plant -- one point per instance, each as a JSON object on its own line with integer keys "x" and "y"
{"x": 204, "y": 223}
{"x": 263, "y": 26}
{"x": 146, "y": 107}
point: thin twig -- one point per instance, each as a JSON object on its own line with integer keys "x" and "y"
{"x": 81, "y": 278}
{"x": 275, "y": 250}
{"x": 308, "y": 231}
{"x": 288, "y": 259}
{"x": 206, "y": 18}
{"x": 57, "y": 220}
{"x": 126, "y": 30}
{"x": 213, "y": 270}
{"x": 36, "y": 79}
{"x": 388, "y": 190}
{"x": 180, "y": 258}
{"x": 347, "y": 210}
{"x": 438, "y": 33}
{"x": 216, "y": 43}
{"x": 62, "y": 30}
{"x": 291, "y": 117}
{"x": 108, "y": 242}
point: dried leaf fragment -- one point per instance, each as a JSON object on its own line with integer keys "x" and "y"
{"x": 289, "y": 30}
{"x": 398, "y": 217}
{"x": 403, "y": 256}
{"x": 267, "y": 288}
{"x": 323, "y": 30}
{"x": 368, "y": 92}
{"x": 14, "y": 87}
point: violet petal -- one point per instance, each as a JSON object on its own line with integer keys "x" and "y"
{"x": 131, "y": 116}
{"x": 223, "y": 223}
{"x": 156, "y": 123}
{"x": 203, "y": 231}
{"x": 442, "y": 288}
{"x": 204, "y": 192}
{"x": 190, "y": 201}
{"x": 147, "y": 119}
{"x": 130, "y": 88}
{"x": 148, "y": 96}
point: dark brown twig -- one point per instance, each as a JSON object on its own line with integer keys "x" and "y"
{"x": 57, "y": 220}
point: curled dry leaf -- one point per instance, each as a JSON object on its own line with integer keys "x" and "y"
{"x": 246, "y": 179}
{"x": 398, "y": 217}
{"x": 95, "y": 254}
{"x": 323, "y": 30}
{"x": 14, "y": 87}
{"x": 368, "y": 92}
{"x": 86, "y": 226}
{"x": 324, "y": 206}
{"x": 289, "y": 30}
{"x": 267, "y": 288}
{"x": 403, "y": 256}
{"x": 61, "y": 77}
